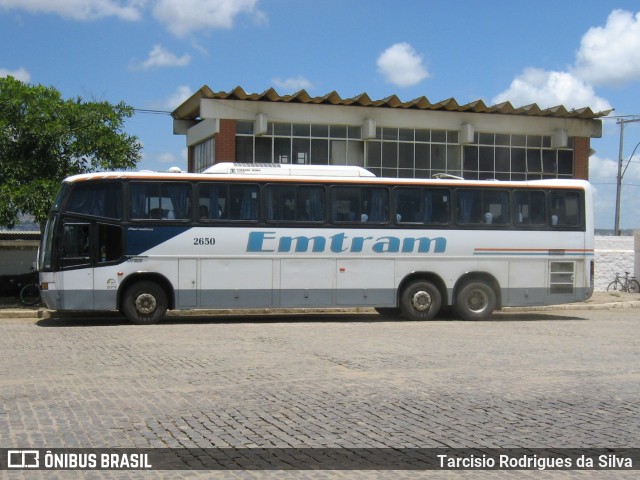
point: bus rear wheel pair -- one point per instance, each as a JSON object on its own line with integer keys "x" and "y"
{"x": 422, "y": 300}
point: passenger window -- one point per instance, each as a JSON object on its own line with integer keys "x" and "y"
{"x": 295, "y": 203}
{"x": 408, "y": 205}
{"x": 243, "y": 203}
{"x": 496, "y": 207}
{"x": 98, "y": 200}
{"x": 213, "y": 200}
{"x": 310, "y": 204}
{"x": 219, "y": 202}
{"x": 469, "y": 204}
{"x": 360, "y": 204}
{"x": 157, "y": 200}
{"x": 482, "y": 207}
{"x": 423, "y": 206}
{"x": 564, "y": 209}
{"x": 530, "y": 208}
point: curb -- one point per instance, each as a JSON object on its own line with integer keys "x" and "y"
{"x": 42, "y": 313}
{"x": 576, "y": 306}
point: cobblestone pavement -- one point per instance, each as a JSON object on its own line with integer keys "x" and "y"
{"x": 534, "y": 380}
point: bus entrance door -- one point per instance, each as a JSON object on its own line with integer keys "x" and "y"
{"x": 76, "y": 278}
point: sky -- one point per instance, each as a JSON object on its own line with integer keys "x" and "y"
{"x": 153, "y": 54}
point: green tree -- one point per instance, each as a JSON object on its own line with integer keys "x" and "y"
{"x": 44, "y": 138}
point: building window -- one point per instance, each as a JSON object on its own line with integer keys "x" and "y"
{"x": 204, "y": 155}
{"x": 300, "y": 143}
{"x": 413, "y": 153}
{"x": 406, "y": 152}
{"x": 515, "y": 157}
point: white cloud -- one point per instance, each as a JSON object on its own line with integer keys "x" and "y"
{"x": 611, "y": 54}
{"x": 173, "y": 100}
{"x": 21, "y": 74}
{"x": 79, "y": 9}
{"x": 293, "y": 84}
{"x": 602, "y": 169}
{"x": 606, "y": 170}
{"x": 549, "y": 89}
{"x": 160, "y": 57}
{"x": 178, "y": 97}
{"x": 401, "y": 65}
{"x": 182, "y": 17}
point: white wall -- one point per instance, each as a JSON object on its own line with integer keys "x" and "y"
{"x": 17, "y": 256}
{"x": 613, "y": 255}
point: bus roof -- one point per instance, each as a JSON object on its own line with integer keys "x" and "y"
{"x": 315, "y": 173}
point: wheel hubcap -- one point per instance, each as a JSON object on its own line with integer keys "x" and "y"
{"x": 477, "y": 301}
{"x": 421, "y": 301}
{"x": 145, "y": 303}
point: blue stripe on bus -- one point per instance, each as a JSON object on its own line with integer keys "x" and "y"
{"x": 143, "y": 238}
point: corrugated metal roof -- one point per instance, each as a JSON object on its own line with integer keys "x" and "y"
{"x": 19, "y": 234}
{"x": 190, "y": 109}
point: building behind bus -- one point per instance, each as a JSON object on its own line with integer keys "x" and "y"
{"x": 389, "y": 137}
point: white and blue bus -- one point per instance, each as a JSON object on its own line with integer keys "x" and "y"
{"x": 287, "y": 236}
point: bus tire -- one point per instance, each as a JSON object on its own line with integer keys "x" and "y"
{"x": 144, "y": 303}
{"x": 476, "y": 301}
{"x": 420, "y": 300}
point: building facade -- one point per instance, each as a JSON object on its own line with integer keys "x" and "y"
{"x": 391, "y": 138}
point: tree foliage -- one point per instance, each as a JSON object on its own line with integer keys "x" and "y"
{"x": 45, "y": 138}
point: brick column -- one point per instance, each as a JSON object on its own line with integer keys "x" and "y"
{"x": 226, "y": 142}
{"x": 190, "y": 162}
{"x": 581, "y": 146}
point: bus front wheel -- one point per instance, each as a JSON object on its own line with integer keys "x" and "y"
{"x": 144, "y": 303}
{"x": 420, "y": 300}
{"x": 476, "y": 301}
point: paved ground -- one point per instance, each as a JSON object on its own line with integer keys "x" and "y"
{"x": 525, "y": 379}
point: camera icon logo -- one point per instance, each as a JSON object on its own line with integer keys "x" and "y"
{"x": 23, "y": 459}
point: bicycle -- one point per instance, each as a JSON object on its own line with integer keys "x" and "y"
{"x": 30, "y": 294}
{"x": 625, "y": 284}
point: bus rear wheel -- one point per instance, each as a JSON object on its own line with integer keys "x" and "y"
{"x": 144, "y": 303}
{"x": 420, "y": 300}
{"x": 476, "y": 301}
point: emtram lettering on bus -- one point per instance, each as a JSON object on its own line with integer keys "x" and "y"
{"x": 264, "y": 242}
